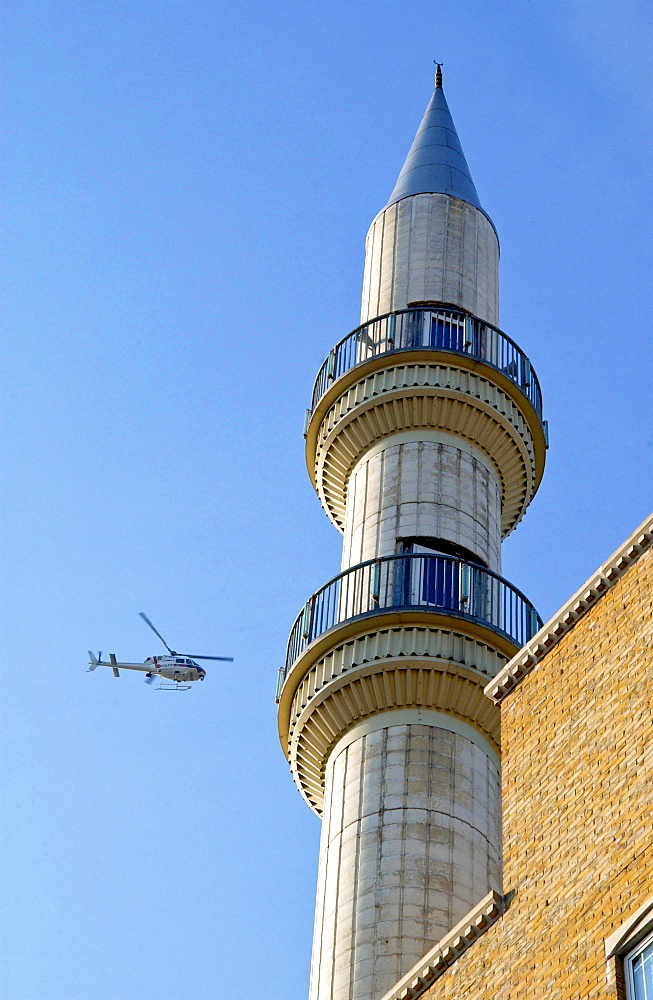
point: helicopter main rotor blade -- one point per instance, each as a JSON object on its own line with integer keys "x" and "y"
{"x": 194, "y": 656}
{"x": 156, "y": 632}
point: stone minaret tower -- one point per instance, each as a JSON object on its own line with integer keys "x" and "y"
{"x": 425, "y": 444}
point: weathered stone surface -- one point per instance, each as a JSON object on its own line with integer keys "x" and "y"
{"x": 410, "y": 842}
{"x": 431, "y": 247}
{"x": 424, "y": 488}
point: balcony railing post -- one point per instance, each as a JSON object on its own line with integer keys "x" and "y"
{"x": 464, "y": 582}
{"x": 425, "y": 329}
{"x": 280, "y": 679}
{"x": 306, "y": 620}
{"x": 469, "y": 334}
{"x": 331, "y": 364}
{"x": 376, "y": 581}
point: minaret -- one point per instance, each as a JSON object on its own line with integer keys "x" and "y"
{"x": 425, "y": 444}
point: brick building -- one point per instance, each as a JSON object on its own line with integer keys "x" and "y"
{"x": 574, "y": 912}
{"x": 423, "y": 705}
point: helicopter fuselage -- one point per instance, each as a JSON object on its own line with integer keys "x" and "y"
{"x": 175, "y": 668}
{"x": 180, "y": 669}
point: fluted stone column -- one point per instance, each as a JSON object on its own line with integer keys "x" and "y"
{"x": 427, "y": 484}
{"x": 410, "y": 842}
{"x": 431, "y": 247}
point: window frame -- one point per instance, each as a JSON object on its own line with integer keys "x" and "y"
{"x": 629, "y": 959}
{"x": 628, "y": 941}
{"x": 438, "y": 547}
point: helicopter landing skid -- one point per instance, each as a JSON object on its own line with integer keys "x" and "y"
{"x": 171, "y": 686}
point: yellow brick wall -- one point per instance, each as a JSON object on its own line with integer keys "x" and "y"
{"x": 577, "y": 809}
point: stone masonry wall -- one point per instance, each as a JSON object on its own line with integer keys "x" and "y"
{"x": 410, "y": 840}
{"x": 577, "y": 765}
{"x": 424, "y": 488}
{"x": 431, "y": 247}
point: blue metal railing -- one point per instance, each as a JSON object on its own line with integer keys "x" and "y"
{"x": 433, "y": 583}
{"x": 438, "y": 329}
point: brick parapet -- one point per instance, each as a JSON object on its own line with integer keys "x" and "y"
{"x": 585, "y": 597}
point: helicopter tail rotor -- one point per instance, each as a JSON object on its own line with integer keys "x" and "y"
{"x": 94, "y": 661}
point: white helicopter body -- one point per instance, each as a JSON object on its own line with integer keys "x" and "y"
{"x": 175, "y": 672}
{"x": 180, "y": 669}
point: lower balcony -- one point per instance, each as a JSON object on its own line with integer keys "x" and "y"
{"x": 432, "y": 584}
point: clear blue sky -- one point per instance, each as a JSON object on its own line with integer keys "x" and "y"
{"x": 186, "y": 194}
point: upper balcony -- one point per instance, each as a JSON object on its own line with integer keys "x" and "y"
{"x": 447, "y": 330}
{"x": 426, "y": 584}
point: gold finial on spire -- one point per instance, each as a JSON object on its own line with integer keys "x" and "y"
{"x": 438, "y": 74}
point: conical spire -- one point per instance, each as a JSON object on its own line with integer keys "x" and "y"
{"x": 436, "y": 162}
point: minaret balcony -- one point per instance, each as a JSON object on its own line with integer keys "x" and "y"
{"x": 416, "y": 588}
{"x": 434, "y": 329}
{"x": 431, "y": 367}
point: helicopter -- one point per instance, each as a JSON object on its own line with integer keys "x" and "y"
{"x": 174, "y": 672}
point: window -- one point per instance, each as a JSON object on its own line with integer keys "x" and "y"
{"x": 431, "y": 582}
{"x": 447, "y": 332}
{"x": 437, "y": 546}
{"x": 631, "y": 945}
{"x": 638, "y": 967}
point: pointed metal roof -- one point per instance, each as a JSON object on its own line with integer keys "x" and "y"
{"x": 436, "y": 163}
